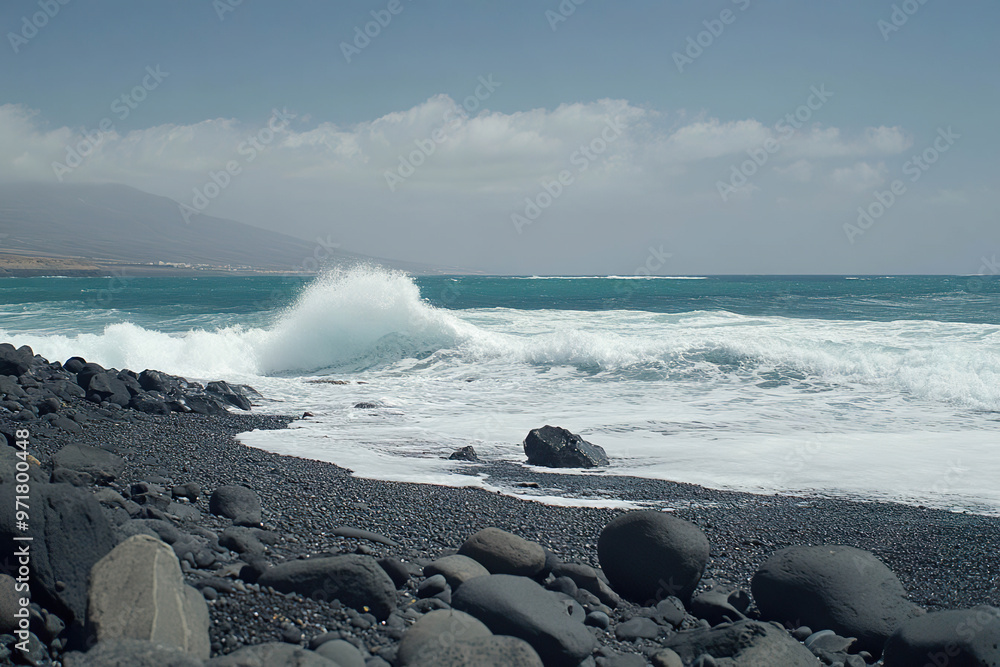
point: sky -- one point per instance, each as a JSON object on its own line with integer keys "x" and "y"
{"x": 533, "y": 137}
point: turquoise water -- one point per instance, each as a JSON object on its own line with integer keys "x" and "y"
{"x": 869, "y": 386}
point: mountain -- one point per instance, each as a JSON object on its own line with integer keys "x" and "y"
{"x": 112, "y": 224}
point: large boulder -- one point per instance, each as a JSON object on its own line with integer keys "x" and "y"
{"x": 482, "y": 652}
{"x": 357, "y": 581}
{"x": 131, "y": 653}
{"x": 10, "y": 603}
{"x": 435, "y": 631}
{"x": 501, "y": 552}
{"x": 102, "y": 465}
{"x": 650, "y": 555}
{"x": 957, "y": 638}
{"x": 837, "y": 588}
{"x": 456, "y": 569}
{"x": 519, "y": 607}
{"x": 229, "y": 394}
{"x": 107, "y": 387}
{"x": 70, "y": 533}
{"x": 555, "y": 447}
{"x": 746, "y": 643}
{"x": 238, "y": 503}
{"x": 138, "y": 592}
{"x": 271, "y": 655}
{"x": 15, "y": 361}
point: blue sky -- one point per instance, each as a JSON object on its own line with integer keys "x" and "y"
{"x": 657, "y": 184}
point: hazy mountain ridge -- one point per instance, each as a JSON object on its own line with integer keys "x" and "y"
{"x": 117, "y": 224}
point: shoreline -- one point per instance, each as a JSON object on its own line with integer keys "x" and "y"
{"x": 944, "y": 560}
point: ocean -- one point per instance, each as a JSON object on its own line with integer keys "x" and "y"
{"x": 868, "y": 387}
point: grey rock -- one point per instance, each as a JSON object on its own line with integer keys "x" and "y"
{"x": 9, "y": 603}
{"x": 467, "y": 453}
{"x": 360, "y": 534}
{"x": 483, "y": 652}
{"x": 272, "y": 655}
{"x": 666, "y": 658}
{"x": 137, "y": 592}
{"x": 587, "y": 578}
{"x": 238, "y": 503}
{"x": 519, "y": 607}
{"x": 639, "y": 627}
{"x": 956, "y": 638}
{"x": 714, "y": 607}
{"x": 650, "y": 555}
{"x": 435, "y": 631}
{"x": 456, "y": 569}
{"x": 748, "y": 643}
{"x": 342, "y": 653}
{"x": 70, "y": 533}
{"x": 357, "y": 581}
{"x": 102, "y": 465}
{"x": 501, "y": 552}
{"x": 839, "y": 588}
{"x": 131, "y": 653}
{"x": 242, "y": 540}
{"x": 555, "y": 447}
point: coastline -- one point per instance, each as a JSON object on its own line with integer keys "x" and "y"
{"x": 314, "y": 510}
{"x": 945, "y": 560}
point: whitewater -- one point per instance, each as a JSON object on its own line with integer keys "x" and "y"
{"x": 864, "y": 388}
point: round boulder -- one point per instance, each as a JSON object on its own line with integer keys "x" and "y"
{"x": 238, "y": 503}
{"x": 435, "y": 631}
{"x": 834, "y": 587}
{"x": 501, "y": 552}
{"x": 649, "y": 555}
{"x": 958, "y": 638}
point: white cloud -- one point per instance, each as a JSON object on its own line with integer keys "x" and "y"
{"x": 861, "y": 176}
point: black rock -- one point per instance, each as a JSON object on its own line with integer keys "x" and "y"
{"x": 70, "y": 534}
{"x": 357, "y": 581}
{"x": 203, "y": 404}
{"x": 15, "y": 361}
{"x": 156, "y": 381}
{"x": 555, "y": 447}
{"x": 957, "y": 638}
{"x": 837, "y": 588}
{"x": 396, "y": 570}
{"x": 102, "y": 465}
{"x": 749, "y": 643}
{"x": 519, "y": 607}
{"x": 242, "y": 540}
{"x": 107, "y": 387}
{"x": 75, "y": 364}
{"x": 714, "y": 607}
{"x": 650, "y": 555}
{"x": 229, "y": 394}
{"x": 238, "y": 503}
{"x": 467, "y": 453}
{"x": 189, "y": 491}
{"x": 148, "y": 404}
{"x": 87, "y": 373}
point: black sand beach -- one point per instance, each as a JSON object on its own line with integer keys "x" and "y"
{"x": 944, "y": 560}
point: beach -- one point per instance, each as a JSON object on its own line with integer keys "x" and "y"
{"x": 944, "y": 560}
